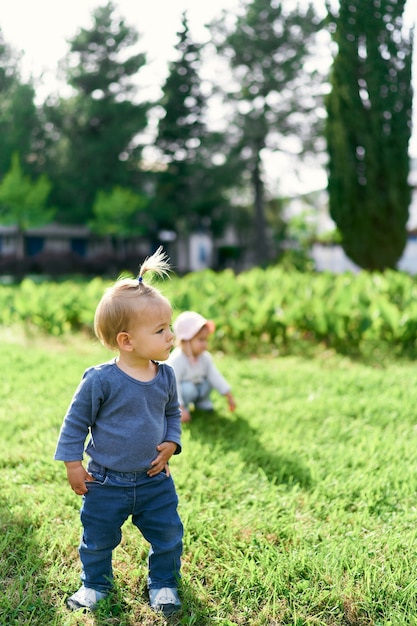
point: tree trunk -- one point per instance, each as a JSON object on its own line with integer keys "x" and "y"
{"x": 261, "y": 246}
{"x": 20, "y": 243}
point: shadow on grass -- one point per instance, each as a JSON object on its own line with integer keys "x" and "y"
{"x": 233, "y": 433}
{"x": 24, "y": 598}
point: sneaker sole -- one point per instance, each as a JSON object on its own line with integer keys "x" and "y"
{"x": 76, "y": 606}
{"x": 167, "y": 609}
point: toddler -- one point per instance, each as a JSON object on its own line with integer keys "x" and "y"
{"x": 194, "y": 368}
{"x": 129, "y": 408}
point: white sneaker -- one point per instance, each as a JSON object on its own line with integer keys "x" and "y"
{"x": 165, "y": 600}
{"x": 85, "y": 598}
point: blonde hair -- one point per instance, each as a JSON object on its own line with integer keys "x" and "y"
{"x": 121, "y": 301}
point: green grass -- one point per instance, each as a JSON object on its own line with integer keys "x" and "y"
{"x": 299, "y": 508}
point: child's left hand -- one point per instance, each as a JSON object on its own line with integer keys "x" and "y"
{"x": 166, "y": 449}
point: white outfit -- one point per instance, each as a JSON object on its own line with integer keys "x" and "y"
{"x": 200, "y": 371}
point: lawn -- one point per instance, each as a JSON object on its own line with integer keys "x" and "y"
{"x": 299, "y": 508}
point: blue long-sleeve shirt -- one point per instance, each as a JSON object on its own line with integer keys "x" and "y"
{"x": 125, "y": 418}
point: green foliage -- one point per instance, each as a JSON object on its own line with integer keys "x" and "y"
{"x": 91, "y": 141}
{"x": 269, "y": 311}
{"x": 23, "y": 202}
{"x": 20, "y": 121}
{"x": 296, "y": 259}
{"x": 93, "y": 133}
{"x": 55, "y": 309}
{"x": 182, "y": 128}
{"x": 368, "y": 131}
{"x": 190, "y": 188}
{"x": 115, "y": 212}
{"x": 299, "y": 508}
{"x": 273, "y": 95}
{"x": 330, "y": 237}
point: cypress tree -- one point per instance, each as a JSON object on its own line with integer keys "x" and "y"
{"x": 368, "y": 131}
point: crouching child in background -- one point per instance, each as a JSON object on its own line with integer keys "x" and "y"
{"x": 194, "y": 368}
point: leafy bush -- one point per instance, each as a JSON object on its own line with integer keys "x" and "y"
{"x": 256, "y": 312}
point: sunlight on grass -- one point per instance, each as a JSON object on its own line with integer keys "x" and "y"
{"x": 299, "y": 508}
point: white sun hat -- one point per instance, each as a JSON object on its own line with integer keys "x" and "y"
{"x": 189, "y": 323}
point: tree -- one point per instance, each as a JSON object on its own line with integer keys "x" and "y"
{"x": 20, "y": 126}
{"x": 116, "y": 214}
{"x": 368, "y": 131}
{"x": 275, "y": 92}
{"x": 190, "y": 188}
{"x": 96, "y": 129}
{"x": 23, "y": 202}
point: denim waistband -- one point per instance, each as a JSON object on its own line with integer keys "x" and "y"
{"x": 96, "y": 468}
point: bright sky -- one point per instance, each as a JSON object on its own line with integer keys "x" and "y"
{"x": 41, "y": 28}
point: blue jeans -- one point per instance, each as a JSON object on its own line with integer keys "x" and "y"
{"x": 197, "y": 393}
{"x": 152, "y": 503}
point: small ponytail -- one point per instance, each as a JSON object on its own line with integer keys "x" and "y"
{"x": 159, "y": 263}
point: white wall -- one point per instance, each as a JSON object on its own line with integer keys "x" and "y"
{"x": 334, "y": 259}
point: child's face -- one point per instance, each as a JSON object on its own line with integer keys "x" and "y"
{"x": 150, "y": 334}
{"x": 199, "y": 342}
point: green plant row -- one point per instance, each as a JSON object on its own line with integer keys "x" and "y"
{"x": 257, "y": 311}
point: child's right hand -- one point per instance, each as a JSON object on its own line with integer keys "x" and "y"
{"x": 231, "y": 401}
{"x": 77, "y": 477}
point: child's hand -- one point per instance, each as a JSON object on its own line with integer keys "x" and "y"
{"x": 185, "y": 415}
{"x": 231, "y": 401}
{"x": 166, "y": 449}
{"x": 77, "y": 477}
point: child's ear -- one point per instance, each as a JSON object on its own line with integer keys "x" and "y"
{"x": 124, "y": 341}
